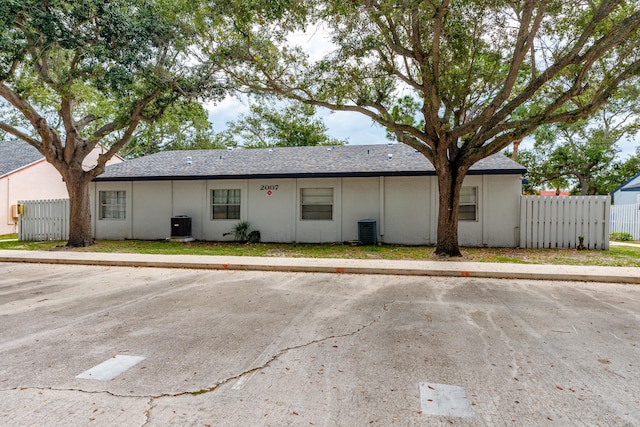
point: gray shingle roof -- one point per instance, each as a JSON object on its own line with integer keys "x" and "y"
{"x": 348, "y": 160}
{"x": 15, "y": 155}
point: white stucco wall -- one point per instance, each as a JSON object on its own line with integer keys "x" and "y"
{"x": 35, "y": 182}
{"x": 320, "y": 231}
{"x": 360, "y": 200}
{"x": 215, "y": 229}
{"x": 405, "y": 209}
{"x": 190, "y": 198}
{"x": 271, "y": 208}
{"x": 152, "y": 207}
{"x": 498, "y": 212}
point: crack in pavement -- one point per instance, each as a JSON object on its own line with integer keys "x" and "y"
{"x": 283, "y": 351}
{"x": 152, "y": 398}
{"x": 147, "y": 412}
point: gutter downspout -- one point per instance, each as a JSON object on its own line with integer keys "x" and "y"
{"x": 381, "y": 227}
{"x": 9, "y": 218}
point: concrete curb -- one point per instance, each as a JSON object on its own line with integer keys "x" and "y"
{"x": 628, "y": 275}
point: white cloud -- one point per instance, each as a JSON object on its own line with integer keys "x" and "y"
{"x": 354, "y": 127}
{"x": 227, "y": 110}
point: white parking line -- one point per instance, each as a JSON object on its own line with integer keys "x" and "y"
{"x": 111, "y": 368}
{"x": 446, "y": 400}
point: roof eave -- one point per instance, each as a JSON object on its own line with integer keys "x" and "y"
{"x": 517, "y": 171}
{"x": 23, "y": 167}
{"x": 620, "y": 188}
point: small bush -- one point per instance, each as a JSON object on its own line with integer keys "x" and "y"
{"x": 620, "y": 236}
{"x": 241, "y": 233}
{"x": 253, "y": 237}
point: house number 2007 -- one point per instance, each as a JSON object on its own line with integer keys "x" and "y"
{"x": 268, "y": 187}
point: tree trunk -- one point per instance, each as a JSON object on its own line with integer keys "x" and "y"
{"x": 450, "y": 180}
{"x": 79, "y": 208}
{"x": 583, "y": 183}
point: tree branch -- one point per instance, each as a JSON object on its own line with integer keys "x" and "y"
{"x": 526, "y": 34}
{"x": 50, "y": 147}
{"x": 135, "y": 118}
{"x": 615, "y": 35}
{"x": 82, "y": 123}
{"x": 19, "y": 134}
{"x": 69, "y": 126}
{"x": 548, "y": 116}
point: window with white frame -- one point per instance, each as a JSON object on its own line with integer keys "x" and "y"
{"x": 113, "y": 204}
{"x": 316, "y": 203}
{"x": 468, "y": 210}
{"x": 225, "y": 204}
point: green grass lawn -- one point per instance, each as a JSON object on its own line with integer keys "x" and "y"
{"x": 617, "y": 256}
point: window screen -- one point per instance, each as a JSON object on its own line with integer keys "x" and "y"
{"x": 112, "y": 204}
{"x": 468, "y": 210}
{"x": 316, "y": 203}
{"x": 225, "y": 204}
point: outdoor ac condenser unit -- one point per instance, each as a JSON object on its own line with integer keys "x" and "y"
{"x": 367, "y": 233}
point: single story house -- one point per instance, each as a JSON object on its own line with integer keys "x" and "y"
{"x": 303, "y": 194}
{"x": 26, "y": 175}
{"x": 628, "y": 193}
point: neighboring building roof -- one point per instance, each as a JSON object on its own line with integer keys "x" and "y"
{"x": 553, "y": 193}
{"x": 626, "y": 187}
{"x": 15, "y": 155}
{"x": 634, "y": 188}
{"x": 631, "y": 185}
{"x": 312, "y": 162}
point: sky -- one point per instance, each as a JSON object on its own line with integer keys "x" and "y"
{"x": 353, "y": 127}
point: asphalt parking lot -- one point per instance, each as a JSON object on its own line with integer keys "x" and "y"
{"x": 118, "y": 346}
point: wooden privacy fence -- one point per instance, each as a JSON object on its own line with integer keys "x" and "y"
{"x": 626, "y": 219}
{"x": 44, "y": 220}
{"x": 557, "y": 221}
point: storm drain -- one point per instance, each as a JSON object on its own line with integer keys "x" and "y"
{"x": 445, "y": 400}
{"x": 111, "y": 368}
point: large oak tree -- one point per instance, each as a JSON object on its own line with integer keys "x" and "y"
{"x": 80, "y": 73}
{"x": 585, "y": 153}
{"x": 458, "y": 80}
